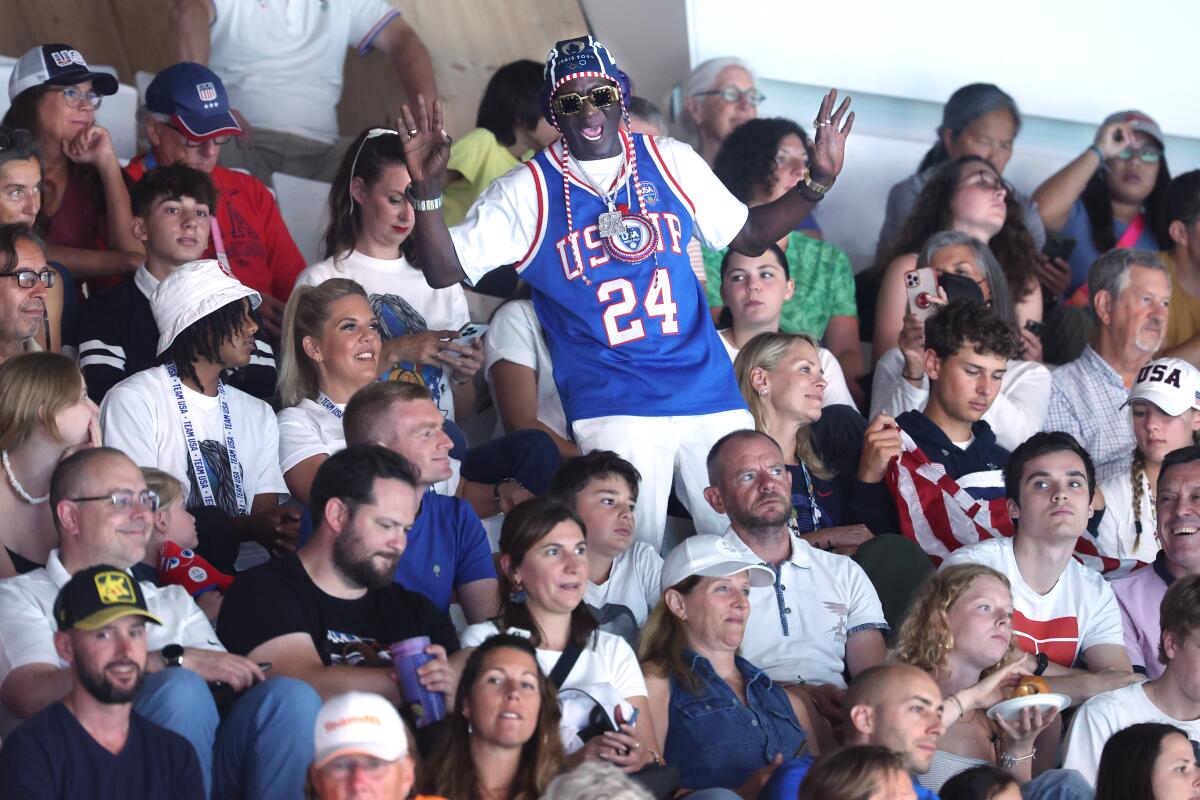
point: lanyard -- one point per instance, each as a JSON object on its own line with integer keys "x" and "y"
{"x": 812, "y": 502}
{"x": 219, "y": 244}
{"x": 329, "y": 405}
{"x": 193, "y": 445}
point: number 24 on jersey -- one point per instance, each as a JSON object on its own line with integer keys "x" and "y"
{"x": 658, "y": 303}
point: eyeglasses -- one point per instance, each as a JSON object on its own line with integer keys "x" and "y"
{"x": 987, "y": 180}
{"x": 569, "y": 103}
{"x": 343, "y": 767}
{"x": 76, "y": 98}
{"x": 124, "y": 499}
{"x": 27, "y": 278}
{"x": 192, "y": 144}
{"x": 732, "y": 94}
{"x": 1147, "y": 155}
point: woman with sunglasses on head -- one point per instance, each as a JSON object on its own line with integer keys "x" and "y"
{"x": 85, "y": 203}
{"x": 717, "y": 97}
{"x": 45, "y": 415}
{"x": 966, "y": 195}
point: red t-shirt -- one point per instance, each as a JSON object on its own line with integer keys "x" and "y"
{"x": 260, "y": 249}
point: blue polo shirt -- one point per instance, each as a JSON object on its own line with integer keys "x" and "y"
{"x": 785, "y": 781}
{"x": 447, "y": 548}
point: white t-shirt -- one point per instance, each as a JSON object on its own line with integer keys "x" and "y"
{"x": 1105, "y": 714}
{"x": 501, "y": 225}
{"x": 516, "y": 336}
{"x": 611, "y": 660}
{"x": 1080, "y": 612}
{"x": 308, "y": 429}
{"x": 405, "y": 303}
{"x": 798, "y": 627}
{"x": 281, "y": 60}
{"x": 1116, "y": 535}
{"x": 622, "y": 603}
{"x": 139, "y": 417}
{"x": 1016, "y": 414}
{"x": 836, "y": 390}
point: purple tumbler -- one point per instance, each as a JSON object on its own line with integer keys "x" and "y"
{"x": 425, "y": 706}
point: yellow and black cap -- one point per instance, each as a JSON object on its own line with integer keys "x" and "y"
{"x": 96, "y": 596}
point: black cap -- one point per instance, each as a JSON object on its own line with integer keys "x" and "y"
{"x": 96, "y": 596}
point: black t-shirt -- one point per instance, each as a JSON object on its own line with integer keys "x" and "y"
{"x": 52, "y": 756}
{"x": 278, "y": 598}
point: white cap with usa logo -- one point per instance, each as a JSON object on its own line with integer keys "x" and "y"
{"x": 1172, "y": 384}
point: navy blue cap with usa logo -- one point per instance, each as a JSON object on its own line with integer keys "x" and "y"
{"x": 195, "y": 99}
{"x": 56, "y": 64}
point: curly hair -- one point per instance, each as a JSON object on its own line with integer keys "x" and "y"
{"x": 925, "y": 640}
{"x": 1012, "y": 244}
{"x": 204, "y": 337}
{"x": 746, "y": 161}
{"x": 962, "y": 321}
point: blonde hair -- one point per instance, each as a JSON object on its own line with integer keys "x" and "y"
{"x": 925, "y": 640}
{"x": 665, "y": 637}
{"x": 765, "y": 351}
{"x": 166, "y": 486}
{"x": 307, "y": 312}
{"x": 35, "y": 387}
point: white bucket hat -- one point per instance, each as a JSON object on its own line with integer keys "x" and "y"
{"x": 711, "y": 557}
{"x": 358, "y": 722}
{"x": 192, "y": 292}
{"x": 1172, "y": 384}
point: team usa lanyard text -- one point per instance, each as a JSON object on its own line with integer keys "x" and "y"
{"x": 193, "y": 443}
{"x": 329, "y": 405}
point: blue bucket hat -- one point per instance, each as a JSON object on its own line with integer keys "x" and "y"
{"x": 582, "y": 57}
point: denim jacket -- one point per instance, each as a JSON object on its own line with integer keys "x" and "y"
{"x": 716, "y": 740}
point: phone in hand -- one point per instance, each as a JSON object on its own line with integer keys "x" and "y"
{"x": 1059, "y": 247}
{"x": 921, "y": 286}
{"x": 470, "y": 332}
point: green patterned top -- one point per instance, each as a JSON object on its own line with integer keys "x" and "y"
{"x": 824, "y": 284}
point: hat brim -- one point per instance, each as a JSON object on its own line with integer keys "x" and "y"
{"x": 102, "y": 82}
{"x": 202, "y": 128}
{"x": 384, "y": 752}
{"x": 1171, "y": 406}
{"x": 106, "y": 616}
{"x": 759, "y": 575}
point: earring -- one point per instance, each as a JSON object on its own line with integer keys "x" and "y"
{"x": 517, "y": 595}
{"x": 762, "y": 392}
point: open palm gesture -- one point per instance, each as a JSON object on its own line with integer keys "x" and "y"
{"x": 426, "y": 146}
{"x": 829, "y": 138}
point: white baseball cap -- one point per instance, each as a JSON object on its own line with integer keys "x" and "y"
{"x": 358, "y": 722}
{"x": 1172, "y": 384}
{"x": 711, "y": 557}
{"x": 192, "y": 292}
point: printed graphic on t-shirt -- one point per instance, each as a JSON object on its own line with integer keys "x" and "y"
{"x": 616, "y": 619}
{"x": 216, "y": 463}
{"x": 1057, "y": 638}
{"x": 842, "y": 612}
{"x": 348, "y": 649}
{"x": 243, "y": 241}
{"x": 397, "y": 317}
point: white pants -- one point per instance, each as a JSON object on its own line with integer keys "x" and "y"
{"x": 663, "y": 448}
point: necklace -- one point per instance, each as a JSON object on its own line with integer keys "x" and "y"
{"x": 16, "y": 484}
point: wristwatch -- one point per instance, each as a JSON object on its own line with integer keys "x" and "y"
{"x": 496, "y": 488}
{"x": 1043, "y": 661}
{"x": 172, "y": 654}
{"x": 422, "y": 205}
{"x": 810, "y": 190}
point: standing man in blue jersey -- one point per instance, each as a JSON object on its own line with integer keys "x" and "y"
{"x": 598, "y": 224}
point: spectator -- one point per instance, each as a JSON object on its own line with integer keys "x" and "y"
{"x": 821, "y": 619}
{"x": 979, "y": 119}
{"x": 188, "y": 121}
{"x": 23, "y": 293}
{"x": 283, "y": 63}
{"x": 981, "y": 783}
{"x": 361, "y": 748}
{"x": 116, "y": 331}
{"x": 20, "y": 202}
{"x": 623, "y": 573}
{"x": 859, "y": 771}
{"x": 1130, "y": 293}
{"x": 367, "y": 240}
{"x": 447, "y": 550}
{"x": 760, "y": 162}
{"x": 504, "y": 742}
{"x": 1177, "y": 515}
{"x": 717, "y": 96}
{"x": 328, "y": 613}
{"x": 959, "y": 631}
{"x": 1151, "y": 761}
{"x": 543, "y": 562}
{"x": 102, "y": 511}
{"x": 220, "y": 442}
{"x": 1065, "y": 614}
{"x": 45, "y": 415}
{"x": 1163, "y": 403}
{"x": 901, "y": 384}
{"x": 603, "y": 357}
{"x": 890, "y": 706}
{"x": 723, "y": 723}
{"x": 969, "y": 196}
{"x": 1181, "y": 240}
{"x": 1172, "y": 698}
{"x": 645, "y": 117}
{"x": 781, "y": 377}
{"x": 54, "y": 96}
{"x": 91, "y": 743}
{"x": 509, "y": 129}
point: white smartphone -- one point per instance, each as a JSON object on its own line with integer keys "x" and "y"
{"x": 470, "y": 332}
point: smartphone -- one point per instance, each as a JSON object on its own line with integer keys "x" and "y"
{"x": 470, "y": 332}
{"x": 1059, "y": 247}
{"x": 1035, "y": 327}
{"x": 921, "y": 286}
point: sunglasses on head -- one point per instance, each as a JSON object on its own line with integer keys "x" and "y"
{"x": 570, "y": 103}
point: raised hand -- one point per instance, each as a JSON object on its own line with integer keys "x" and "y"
{"x": 426, "y": 147}
{"x": 829, "y": 138}
{"x": 1114, "y": 137}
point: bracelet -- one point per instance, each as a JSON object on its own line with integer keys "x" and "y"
{"x": 422, "y": 205}
{"x": 1099, "y": 153}
{"x": 457, "y": 382}
{"x": 658, "y": 760}
{"x": 1008, "y": 761}
{"x": 496, "y": 488}
{"x": 805, "y": 189}
{"x": 910, "y": 378}
{"x": 962, "y": 712}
